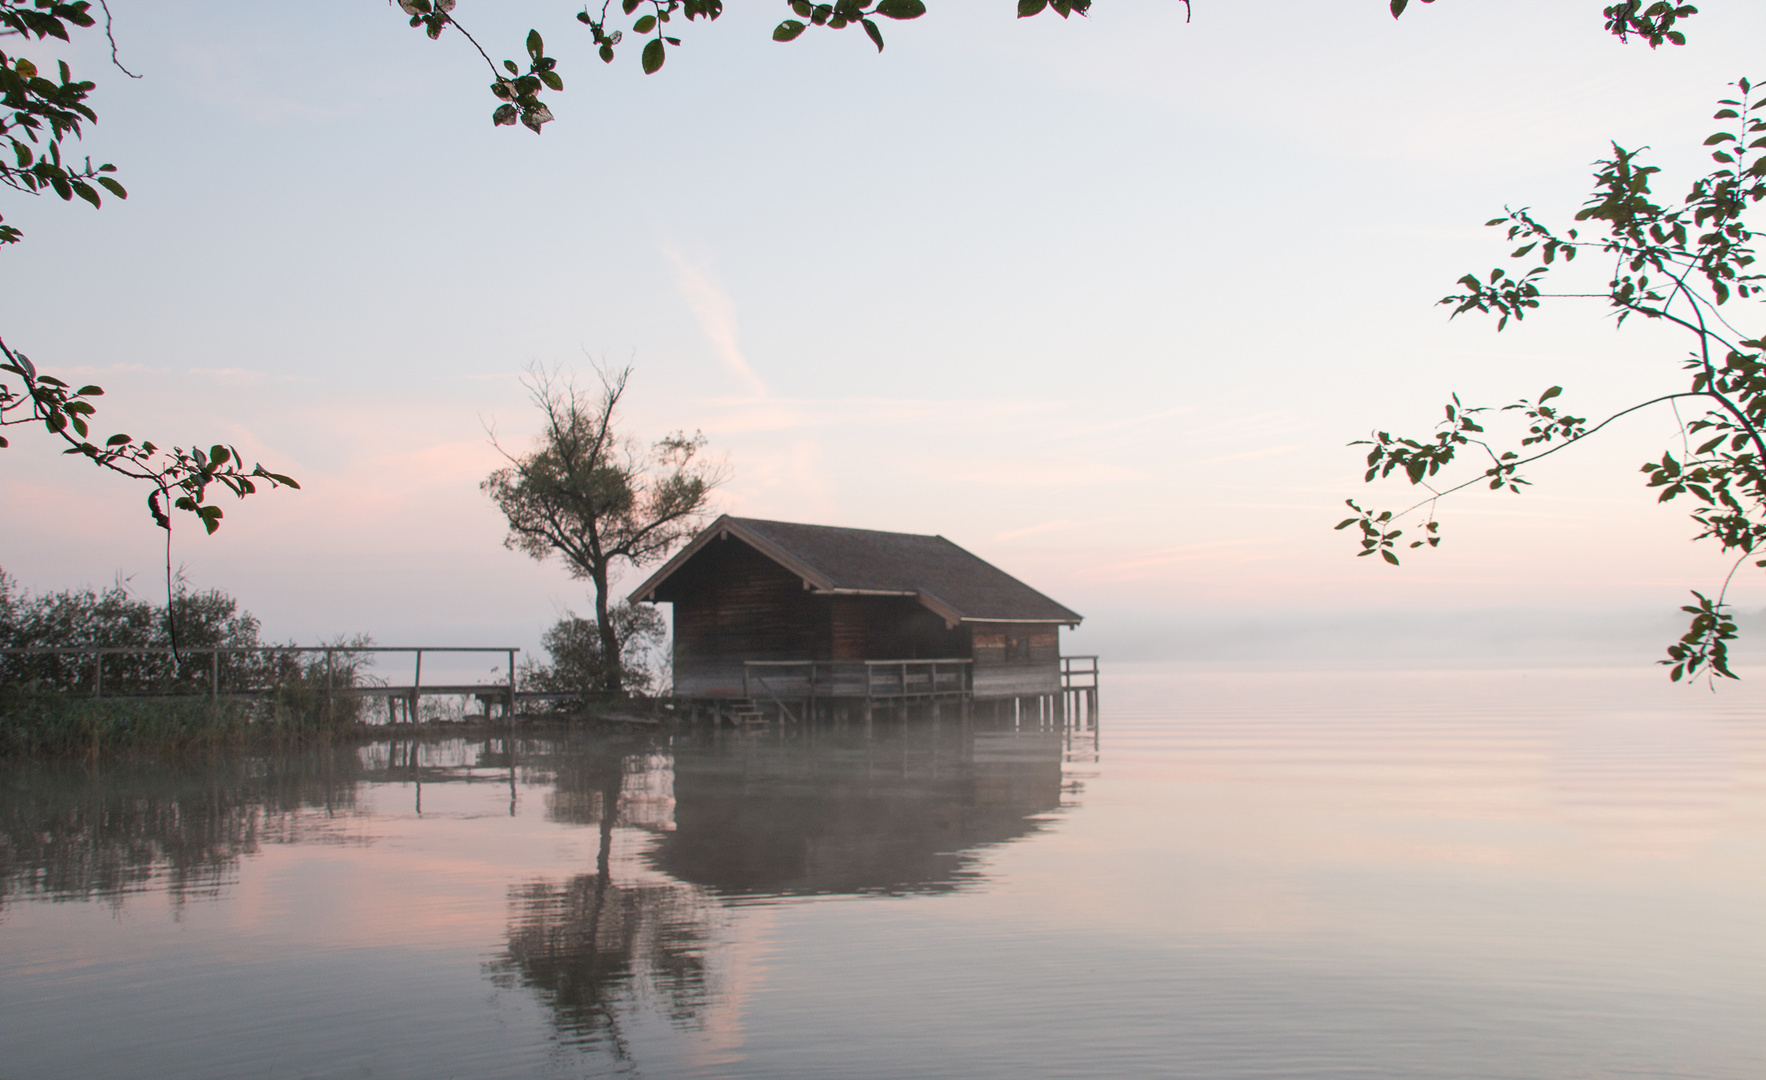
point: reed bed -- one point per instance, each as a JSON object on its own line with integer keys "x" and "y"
{"x": 49, "y": 706}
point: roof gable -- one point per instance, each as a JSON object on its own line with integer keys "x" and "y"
{"x": 952, "y": 582}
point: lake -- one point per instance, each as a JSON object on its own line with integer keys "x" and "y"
{"x": 1529, "y": 874}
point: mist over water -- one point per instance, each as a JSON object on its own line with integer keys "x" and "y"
{"x": 1407, "y": 873}
{"x": 1374, "y": 639}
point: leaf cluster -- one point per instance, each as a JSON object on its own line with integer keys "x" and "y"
{"x": 1378, "y": 537}
{"x": 1705, "y": 643}
{"x": 844, "y": 13}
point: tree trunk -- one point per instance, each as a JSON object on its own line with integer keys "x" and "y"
{"x": 610, "y": 666}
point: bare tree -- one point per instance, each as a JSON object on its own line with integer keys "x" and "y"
{"x": 597, "y": 497}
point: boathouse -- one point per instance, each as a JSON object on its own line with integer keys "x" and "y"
{"x": 818, "y": 611}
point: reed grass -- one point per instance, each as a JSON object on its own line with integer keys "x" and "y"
{"x": 294, "y": 700}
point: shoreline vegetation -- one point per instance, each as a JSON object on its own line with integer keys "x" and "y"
{"x": 47, "y": 723}
{"x": 156, "y": 695}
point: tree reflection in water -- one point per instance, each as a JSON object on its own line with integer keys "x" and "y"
{"x": 593, "y": 947}
{"x": 824, "y": 810}
{"x": 77, "y": 830}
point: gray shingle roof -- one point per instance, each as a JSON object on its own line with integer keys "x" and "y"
{"x": 947, "y": 579}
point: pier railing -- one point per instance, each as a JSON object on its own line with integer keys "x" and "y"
{"x": 268, "y": 673}
{"x": 1079, "y": 672}
{"x": 811, "y": 679}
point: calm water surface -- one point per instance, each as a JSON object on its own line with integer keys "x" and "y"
{"x": 1469, "y": 874}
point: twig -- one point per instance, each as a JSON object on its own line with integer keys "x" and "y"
{"x": 105, "y": 4}
{"x": 1528, "y": 461}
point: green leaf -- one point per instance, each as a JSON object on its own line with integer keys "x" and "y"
{"x": 1387, "y": 555}
{"x": 787, "y": 30}
{"x": 536, "y": 48}
{"x": 901, "y": 9}
{"x": 1398, "y": 7}
{"x": 873, "y": 33}
{"x": 1549, "y": 394}
{"x": 1027, "y": 8}
{"x": 655, "y": 54}
{"x": 644, "y": 25}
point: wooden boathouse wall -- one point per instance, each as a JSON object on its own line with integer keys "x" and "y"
{"x": 736, "y": 604}
{"x": 1015, "y": 659}
{"x": 732, "y": 605}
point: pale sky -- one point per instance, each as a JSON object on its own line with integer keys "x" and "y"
{"x": 1101, "y": 300}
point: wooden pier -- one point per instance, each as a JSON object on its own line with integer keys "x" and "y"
{"x": 795, "y": 691}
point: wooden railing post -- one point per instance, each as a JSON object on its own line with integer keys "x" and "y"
{"x": 416, "y": 690}
{"x": 509, "y": 715}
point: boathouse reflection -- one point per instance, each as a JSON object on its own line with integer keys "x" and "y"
{"x": 832, "y": 811}
{"x": 713, "y": 818}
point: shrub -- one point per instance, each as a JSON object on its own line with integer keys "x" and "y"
{"x": 577, "y": 666}
{"x": 49, "y": 703}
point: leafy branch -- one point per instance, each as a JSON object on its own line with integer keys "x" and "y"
{"x": 1678, "y": 263}
{"x": 1655, "y": 23}
{"x": 518, "y": 91}
{"x": 180, "y": 478}
{"x": 38, "y": 116}
{"x": 38, "y": 113}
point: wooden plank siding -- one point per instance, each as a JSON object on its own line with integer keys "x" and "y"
{"x": 848, "y": 627}
{"x": 1014, "y": 659}
{"x": 735, "y": 602}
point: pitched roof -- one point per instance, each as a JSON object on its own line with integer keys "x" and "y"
{"x": 944, "y": 577}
